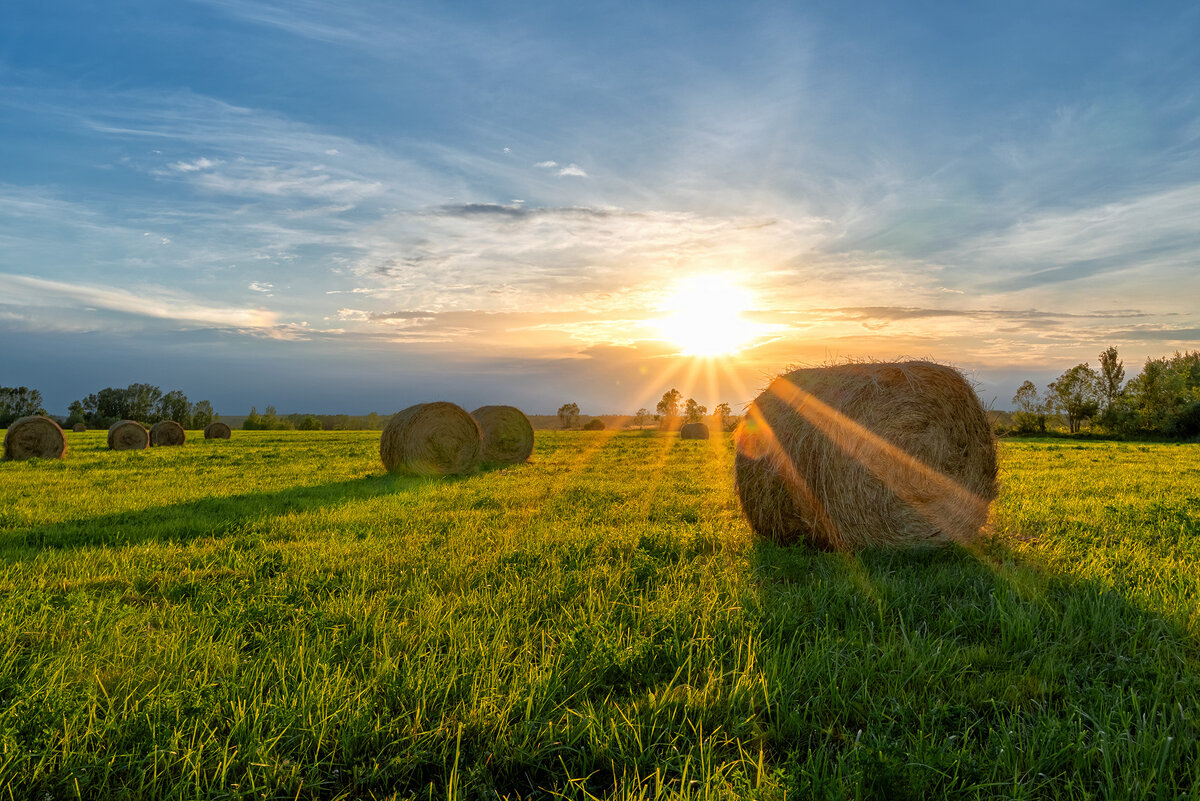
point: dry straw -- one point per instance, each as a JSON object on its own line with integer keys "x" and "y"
{"x": 79, "y": 428}
{"x": 507, "y": 434}
{"x": 34, "y": 437}
{"x": 693, "y": 431}
{"x": 431, "y": 439}
{"x": 861, "y": 455}
{"x": 167, "y": 432}
{"x": 217, "y": 431}
{"x": 128, "y": 435}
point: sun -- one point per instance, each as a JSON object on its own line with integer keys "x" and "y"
{"x": 703, "y": 316}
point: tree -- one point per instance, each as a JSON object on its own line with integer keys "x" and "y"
{"x": 202, "y": 414}
{"x": 18, "y": 402}
{"x": 1030, "y": 416}
{"x": 723, "y": 415}
{"x": 1112, "y": 378}
{"x": 253, "y": 421}
{"x": 1076, "y": 394}
{"x": 641, "y": 417}
{"x": 1160, "y": 398}
{"x": 310, "y": 423}
{"x": 174, "y": 406}
{"x": 693, "y": 411}
{"x": 669, "y": 405}
{"x": 75, "y": 414}
{"x": 568, "y": 415}
{"x": 111, "y": 404}
{"x": 141, "y": 401}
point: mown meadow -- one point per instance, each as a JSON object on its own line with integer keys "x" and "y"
{"x": 275, "y": 617}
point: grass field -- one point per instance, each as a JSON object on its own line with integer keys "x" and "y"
{"x": 275, "y": 617}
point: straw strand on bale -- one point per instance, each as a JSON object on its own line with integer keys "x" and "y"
{"x": 693, "y": 431}
{"x": 217, "y": 430}
{"x": 437, "y": 438}
{"x": 34, "y": 436}
{"x": 128, "y": 435}
{"x": 861, "y": 455}
{"x": 507, "y": 434}
{"x": 167, "y": 432}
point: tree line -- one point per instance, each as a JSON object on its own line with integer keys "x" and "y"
{"x": 1162, "y": 400}
{"x": 669, "y": 413}
{"x": 145, "y": 403}
{"x": 271, "y": 420}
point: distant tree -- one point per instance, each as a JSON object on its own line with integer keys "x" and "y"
{"x": 693, "y": 412}
{"x": 75, "y": 414}
{"x": 174, "y": 406}
{"x": 723, "y": 415}
{"x": 18, "y": 402}
{"x": 1076, "y": 394}
{"x": 1160, "y": 399}
{"x": 1030, "y": 416}
{"x": 641, "y": 418}
{"x": 568, "y": 415}
{"x": 202, "y": 414}
{"x": 253, "y": 421}
{"x": 669, "y": 405}
{"x": 1112, "y": 377}
{"x": 141, "y": 401}
{"x": 310, "y": 423}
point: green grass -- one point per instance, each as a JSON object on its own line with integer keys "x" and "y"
{"x": 275, "y": 617}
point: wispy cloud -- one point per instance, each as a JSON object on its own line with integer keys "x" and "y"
{"x": 161, "y": 304}
{"x": 572, "y": 170}
{"x": 194, "y": 166}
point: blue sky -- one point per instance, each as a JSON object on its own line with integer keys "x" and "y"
{"x": 347, "y": 207}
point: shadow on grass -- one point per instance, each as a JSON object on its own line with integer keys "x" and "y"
{"x": 205, "y": 517}
{"x": 950, "y": 673}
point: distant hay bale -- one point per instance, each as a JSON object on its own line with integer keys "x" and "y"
{"x": 167, "y": 432}
{"x": 595, "y": 424}
{"x": 693, "y": 431}
{"x": 34, "y": 436}
{"x": 79, "y": 428}
{"x": 436, "y": 439}
{"x": 862, "y": 455}
{"x": 217, "y": 431}
{"x": 128, "y": 435}
{"x": 507, "y": 434}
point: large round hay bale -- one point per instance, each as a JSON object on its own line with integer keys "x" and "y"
{"x": 595, "y": 424}
{"x": 217, "y": 431}
{"x": 34, "y": 436}
{"x": 79, "y": 428}
{"x": 167, "y": 432}
{"x": 861, "y": 455}
{"x": 431, "y": 439}
{"x": 128, "y": 435}
{"x": 507, "y": 434}
{"x": 693, "y": 431}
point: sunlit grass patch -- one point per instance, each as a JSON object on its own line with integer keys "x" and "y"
{"x": 276, "y": 615}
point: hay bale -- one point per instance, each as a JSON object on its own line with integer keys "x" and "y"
{"x": 595, "y": 424}
{"x": 435, "y": 439}
{"x": 128, "y": 435}
{"x": 34, "y": 436}
{"x": 861, "y": 455}
{"x": 217, "y": 431}
{"x": 693, "y": 431}
{"x": 167, "y": 432}
{"x": 79, "y": 428}
{"x": 507, "y": 434}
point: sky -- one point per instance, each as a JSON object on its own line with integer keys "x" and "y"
{"x": 356, "y": 206}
